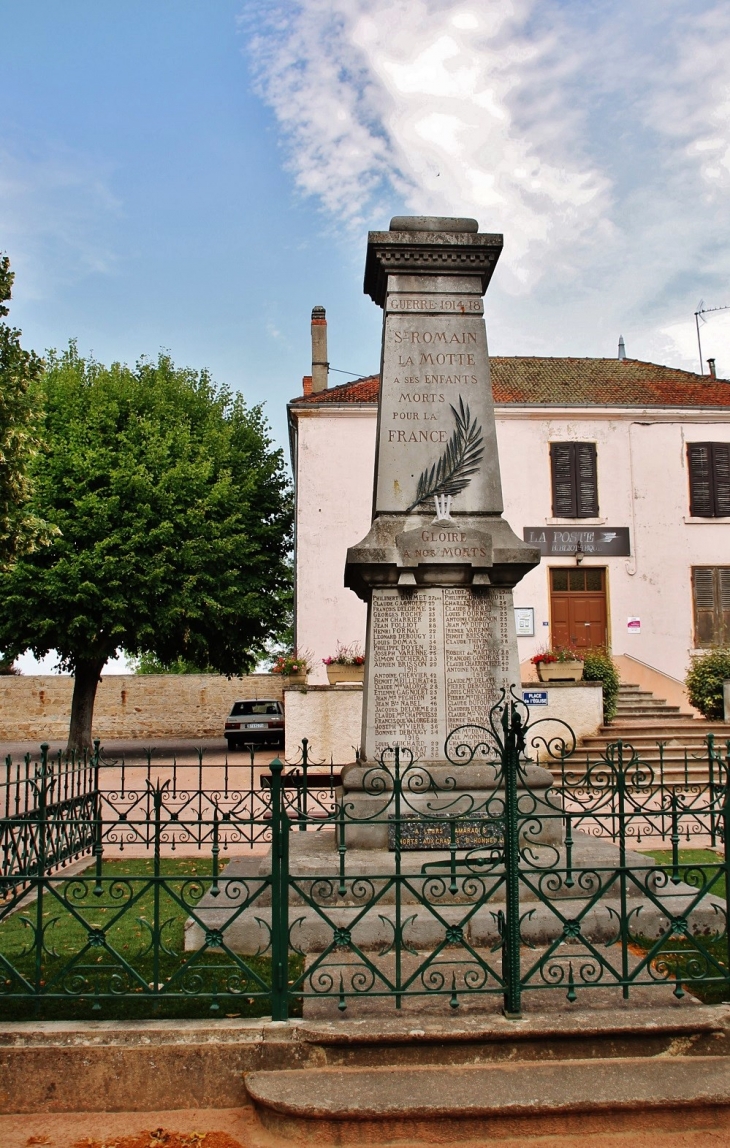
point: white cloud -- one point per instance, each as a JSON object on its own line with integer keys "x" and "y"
{"x": 417, "y": 99}
{"x": 597, "y": 138}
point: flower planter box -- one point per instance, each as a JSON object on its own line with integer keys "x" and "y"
{"x": 339, "y": 674}
{"x": 560, "y": 671}
{"x": 294, "y": 680}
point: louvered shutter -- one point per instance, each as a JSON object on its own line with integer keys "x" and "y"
{"x": 701, "y": 492}
{"x": 724, "y": 604}
{"x": 562, "y": 458}
{"x": 587, "y": 480}
{"x": 721, "y": 478}
{"x": 703, "y": 587}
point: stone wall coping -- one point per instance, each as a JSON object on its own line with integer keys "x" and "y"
{"x": 137, "y": 677}
{"x": 634, "y": 1019}
{"x": 561, "y": 685}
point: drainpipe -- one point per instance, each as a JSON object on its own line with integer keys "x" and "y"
{"x": 632, "y": 564}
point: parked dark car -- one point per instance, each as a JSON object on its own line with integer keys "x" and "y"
{"x": 258, "y": 722}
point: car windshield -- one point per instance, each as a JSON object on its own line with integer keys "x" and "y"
{"x": 249, "y": 709}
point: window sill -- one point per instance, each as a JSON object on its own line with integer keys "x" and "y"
{"x": 703, "y": 521}
{"x": 575, "y": 522}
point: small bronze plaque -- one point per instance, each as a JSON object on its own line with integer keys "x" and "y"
{"x": 418, "y": 833}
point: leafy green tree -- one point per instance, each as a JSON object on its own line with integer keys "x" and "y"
{"x": 20, "y": 372}
{"x": 174, "y": 518}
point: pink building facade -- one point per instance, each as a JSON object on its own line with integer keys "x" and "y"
{"x": 619, "y": 469}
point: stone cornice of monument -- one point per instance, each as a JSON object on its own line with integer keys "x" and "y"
{"x": 437, "y": 445}
{"x": 417, "y": 245}
{"x": 419, "y": 552}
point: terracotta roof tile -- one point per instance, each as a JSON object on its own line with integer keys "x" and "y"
{"x": 569, "y": 382}
{"x": 359, "y": 391}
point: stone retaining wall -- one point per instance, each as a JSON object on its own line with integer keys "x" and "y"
{"x": 331, "y": 716}
{"x": 38, "y": 707}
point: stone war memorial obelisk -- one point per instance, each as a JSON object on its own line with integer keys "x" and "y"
{"x": 439, "y": 563}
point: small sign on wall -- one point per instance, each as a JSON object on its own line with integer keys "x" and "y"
{"x": 525, "y": 621}
{"x": 633, "y": 625}
{"x": 535, "y": 697}
{"x": 600, "y": 541}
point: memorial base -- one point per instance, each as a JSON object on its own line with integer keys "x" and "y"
{"x": 424, "y": 902}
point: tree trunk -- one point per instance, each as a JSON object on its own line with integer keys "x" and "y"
{"x": 86, "y": 680}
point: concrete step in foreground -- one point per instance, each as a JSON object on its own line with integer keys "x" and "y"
{"x": 432, "y": 1103}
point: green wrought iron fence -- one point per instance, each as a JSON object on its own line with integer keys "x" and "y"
{"x": 111, "y": 939}
{"x": 54, "y": 807}
{"x": 48, "y": 809}
{"x": 485, "y": 879}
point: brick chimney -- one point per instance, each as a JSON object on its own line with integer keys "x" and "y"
{"x": 320, "y": 365}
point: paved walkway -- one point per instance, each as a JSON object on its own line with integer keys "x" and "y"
{"x": 238, "y": 1128}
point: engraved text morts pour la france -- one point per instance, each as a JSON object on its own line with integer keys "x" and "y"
{"x": 439, "y": 563}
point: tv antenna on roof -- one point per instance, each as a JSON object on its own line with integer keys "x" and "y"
{"x": 702, "y": 310}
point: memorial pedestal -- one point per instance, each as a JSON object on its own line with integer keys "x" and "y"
{"x": 439, "y": 801}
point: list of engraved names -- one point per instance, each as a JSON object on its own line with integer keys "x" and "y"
{"x": 438, "y": 659}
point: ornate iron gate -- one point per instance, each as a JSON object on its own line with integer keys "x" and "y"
{"x": 537, "y": 884}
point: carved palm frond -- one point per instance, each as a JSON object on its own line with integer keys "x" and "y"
{"x": 453, "y": 471}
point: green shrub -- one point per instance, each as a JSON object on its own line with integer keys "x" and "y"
{"x": 704, "y": 683}
{"x": 598, "y": 667}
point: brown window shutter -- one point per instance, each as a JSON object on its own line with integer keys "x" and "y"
{"x": 724, "y": 605}
{"x": 705, "y": 601}
{"x": 562, "y": 460}
{"x": 587, "y": 480}
{"x": 701, "y": 487}
{"x": 721, "y": 478}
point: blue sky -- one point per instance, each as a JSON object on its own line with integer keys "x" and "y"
{"x": 195, "y": 175}
{"x": 144, "y": 201}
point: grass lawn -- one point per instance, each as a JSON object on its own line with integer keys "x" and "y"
{"x": 697, "y": 867}
{"x": 693, "y": 862}
{"x": 97, "y": 958}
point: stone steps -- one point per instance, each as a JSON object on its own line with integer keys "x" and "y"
{"x": 560, "y": 1033}
{"x": 177, "y": 1065}
{"x": 432, "y": 912}
{"x": 652, "y": 732}
{"x": 635, "y": 703}
{"x": 649, "y": 711}
{"x": 424, "y": 927}
{"x": 445, "y": 1103}
{"x": 642, "y": 721}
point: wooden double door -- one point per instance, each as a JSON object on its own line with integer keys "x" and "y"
{"x": 578, "y": 614}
